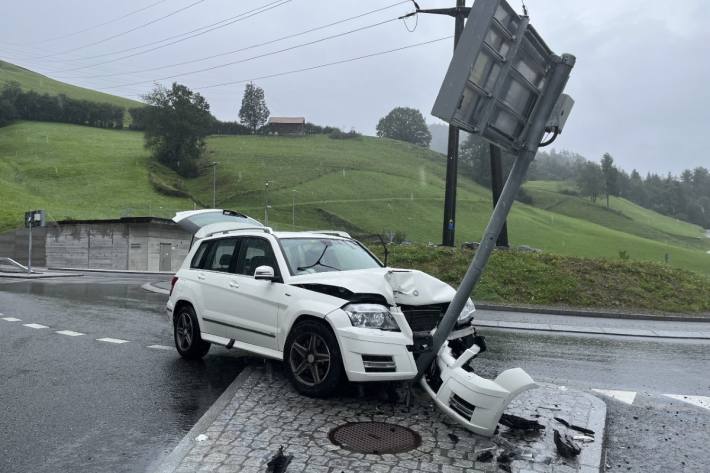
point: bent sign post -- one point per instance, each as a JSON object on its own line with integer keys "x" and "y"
{"x": 504, "y": 84}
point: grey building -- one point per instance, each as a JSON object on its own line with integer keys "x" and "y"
{"x": 131, "y": 243}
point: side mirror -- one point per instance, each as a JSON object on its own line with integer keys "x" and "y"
{"x": 265, "y": 273}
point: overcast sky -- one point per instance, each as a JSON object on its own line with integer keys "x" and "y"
{"x": 641, "y": 83}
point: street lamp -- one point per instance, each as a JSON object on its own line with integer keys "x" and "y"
{"x": 213, "y": 165}
{"x": 293, "y": 207}
{"x": 266, "y": 203}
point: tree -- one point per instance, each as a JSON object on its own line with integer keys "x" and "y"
{"x": 590, "y": 180}
{"x": 405, "y": 124}
{"x": 254, "y": 111}
{"x": 610, "y": 177}
{"x": 176, "y": 124}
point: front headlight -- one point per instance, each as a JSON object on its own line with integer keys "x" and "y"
{"x": 370, "y": 316}
{"x": 467, "y": 313}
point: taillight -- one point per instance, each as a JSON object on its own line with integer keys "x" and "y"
{"x": 172, "y": 284}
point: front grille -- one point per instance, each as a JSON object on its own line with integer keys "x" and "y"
{"x": 461, "y": 407}
{"x": 378, "y": 364}
{"x": 423, "y": 318}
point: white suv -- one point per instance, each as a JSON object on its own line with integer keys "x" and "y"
{"x": 319, "y": 301}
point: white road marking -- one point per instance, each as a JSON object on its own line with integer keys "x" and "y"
{"x": 35, "y": 326}
{"x": 160, "y": 347}
{"x": 69, "y": 333}
{"x": 111, "y": 340}
{"x": 699, "y": 401}
{"x": 12, "y": 319}
{"x": 626, "y": 397}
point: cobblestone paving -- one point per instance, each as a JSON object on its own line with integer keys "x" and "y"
{"x": 266, "y": 413}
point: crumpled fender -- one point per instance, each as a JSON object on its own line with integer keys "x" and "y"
{"x": 474, "y": 402}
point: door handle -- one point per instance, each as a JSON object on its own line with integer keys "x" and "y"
{"x": 233, "y": 284}
{"x": 200, "y": 276}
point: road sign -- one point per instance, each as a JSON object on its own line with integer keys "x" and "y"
{"x": 499, "y": 71}
{"x": 34, "y": 218}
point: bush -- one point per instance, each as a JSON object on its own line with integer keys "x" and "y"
{"x": 340, "y": 135}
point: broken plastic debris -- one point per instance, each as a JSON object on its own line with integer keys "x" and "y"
{"x": 566, "y": 447}
{"x": 520, "y": 423}
{"x": 575, "y": 427}
{"x": 583, "y": 438}
{"x": 201, "y": 438}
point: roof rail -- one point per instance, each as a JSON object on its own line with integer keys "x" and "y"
{"x": 333, "y": 232}
{"x": 224, "y": 232}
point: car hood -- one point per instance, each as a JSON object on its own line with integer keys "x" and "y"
{"x": 397, "y": 286}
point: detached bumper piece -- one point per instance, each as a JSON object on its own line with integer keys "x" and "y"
{"x": 474, "y": 402}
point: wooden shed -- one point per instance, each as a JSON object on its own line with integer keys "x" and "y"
{"x": 294, "y": 126}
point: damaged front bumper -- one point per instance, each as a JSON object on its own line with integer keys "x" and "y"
{"x": 474, "y": 402}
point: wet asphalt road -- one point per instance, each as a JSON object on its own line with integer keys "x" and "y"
{"x": 76, "y": 404}
{"x": 73, "y": 404}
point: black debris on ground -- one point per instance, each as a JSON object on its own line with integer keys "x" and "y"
{"x": 485, "y": 457}
{"x": 566, "y": 446}
{"x": 454, "y": 438}
{"x": 520, "y": 423}
{"x": 575, "y": 427}
{"x": 279, "y": 462}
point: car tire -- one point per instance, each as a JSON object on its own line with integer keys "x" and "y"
{"x": 186, "y": 333}
{"x": 313, "y": 361}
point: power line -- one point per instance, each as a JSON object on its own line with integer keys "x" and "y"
{"x": 234, "y": 51}
{"x": 259, "y": 56}
{"x": 328, "y": 64}
{"x": 123, "y": 33}
{"x": 235, "y": 19}
{"x": 114, "y": 20}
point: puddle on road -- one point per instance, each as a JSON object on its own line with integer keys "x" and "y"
{"x": 122, "y": 293}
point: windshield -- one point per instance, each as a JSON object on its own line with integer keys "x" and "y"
{"x": 317, "y": 255}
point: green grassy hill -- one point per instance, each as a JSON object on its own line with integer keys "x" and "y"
{"x": 30, "y": 80}
{"x": 361, "y": 185}
{"x": 621, "y": 215}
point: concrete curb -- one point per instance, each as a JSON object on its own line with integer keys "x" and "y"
{"x": 591, "y": 313}
{"x": 43, "y": 275}
{"x": 117, "y": 271}
{"x": 592, "y": 454}
{"x": 645, "y": 333}
{"x": 172, "y": 461}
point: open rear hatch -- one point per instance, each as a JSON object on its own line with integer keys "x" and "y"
{"x": 201, "y": 223}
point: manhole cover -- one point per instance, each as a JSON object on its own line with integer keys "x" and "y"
{"x": 375, "y": 437}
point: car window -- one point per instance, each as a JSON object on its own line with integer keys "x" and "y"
{"x": 255, "y": 252}
{"x": 220, "y": 256}
{"x": 198, "y": 260}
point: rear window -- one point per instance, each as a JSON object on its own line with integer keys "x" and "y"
{"x": 215, "y": 255}
{"x": 196, "y": 262}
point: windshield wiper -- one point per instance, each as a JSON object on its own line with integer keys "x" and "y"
{"x": 303, "y": 268}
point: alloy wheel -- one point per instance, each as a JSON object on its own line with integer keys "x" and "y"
{"x": 183, "y": 331}
{"x": 310, "y": 359}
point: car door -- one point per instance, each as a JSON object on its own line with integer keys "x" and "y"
{"x": 215, "y": 277}
{"x": 259, "y": 301}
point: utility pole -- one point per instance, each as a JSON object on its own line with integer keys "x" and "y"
{"x": 497, "y": 188}
{"x": 460, "y": 12}
{"x": 29, "y": 250}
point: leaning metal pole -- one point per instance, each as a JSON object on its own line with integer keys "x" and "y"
{"x": 557, "y": 81}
